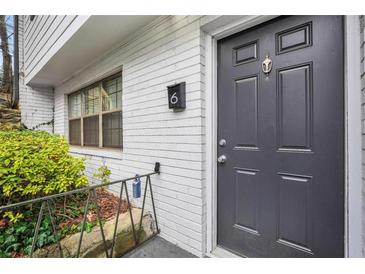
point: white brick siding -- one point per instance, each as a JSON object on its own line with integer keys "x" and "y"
{"x": 362, "y": 45}
{"x": 167, "y": 51}
{"x": 36, "y": 104}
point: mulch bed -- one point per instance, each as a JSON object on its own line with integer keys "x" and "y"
{"x": 3, "y": 223}
{"x": 107, "y": 204}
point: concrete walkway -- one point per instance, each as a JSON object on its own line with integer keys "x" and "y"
{"x": 158, "y": 248}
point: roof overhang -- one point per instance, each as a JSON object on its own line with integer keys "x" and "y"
{"x": 98, "y": 35}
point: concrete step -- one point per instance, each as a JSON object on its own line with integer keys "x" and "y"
{"x": 158, "y": 248}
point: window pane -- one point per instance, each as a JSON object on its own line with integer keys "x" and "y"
{"x": 119, "y": 83}
{"x": 75, "y": 105}
{"x": 112, "y": 129}
{"x": 119, "y": 100}
{"x": 91, "y": 131}
{"x": 112, "y": 101}
{"x": 112, "y": 94}
{"x": 75, "y": 132}
{"x": 92, "y": 101}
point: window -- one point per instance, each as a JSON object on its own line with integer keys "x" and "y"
{"x": 112, "y": 129}
{"x": 95, "y": 114}
{"x": 91, "y": 131}
{"x": 75, "y": 132}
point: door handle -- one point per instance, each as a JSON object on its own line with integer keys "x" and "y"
{"x": 222, "y": 159}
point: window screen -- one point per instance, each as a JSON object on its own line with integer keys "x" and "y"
{"x": 112, "y": 129}
{"x": 75, "y": 132}
{"x": 91, "y": 131}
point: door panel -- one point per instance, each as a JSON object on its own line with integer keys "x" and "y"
{"x": 294, "y": 107}
{"x": 280, "y": 191}
{"x": 294, "y": 211}
{"x": 246, "y": 112}
{"x": 246, "y": 208}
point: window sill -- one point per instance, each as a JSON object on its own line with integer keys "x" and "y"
{"x": 112, "y": 153}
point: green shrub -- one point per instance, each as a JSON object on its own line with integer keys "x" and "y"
{"x": 103, "y": 174}
{"x": 18, "y": 237}
{"x": 36, "y": 163}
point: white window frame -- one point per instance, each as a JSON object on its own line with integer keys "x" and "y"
{"x": 99, "y": 114}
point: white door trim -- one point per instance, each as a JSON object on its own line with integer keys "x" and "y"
{"x": 214, "y": 31}
{"x": 353, "y": 166}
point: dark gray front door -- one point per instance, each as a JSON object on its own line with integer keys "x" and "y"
{"x": 281, "y": 188}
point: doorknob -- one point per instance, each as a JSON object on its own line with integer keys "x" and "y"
{"x": 222, "y": 159}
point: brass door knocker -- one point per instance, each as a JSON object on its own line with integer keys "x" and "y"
{"x": 267, "y": 65}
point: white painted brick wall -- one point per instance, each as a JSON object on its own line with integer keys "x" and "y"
{"x": 167, "y": 51}
{"x": 36, "y": 104}
{"x": 362, "y": 25}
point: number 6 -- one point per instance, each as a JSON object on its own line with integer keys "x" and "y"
{"x": 174, "y": 98}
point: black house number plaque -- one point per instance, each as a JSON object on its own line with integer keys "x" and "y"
{"x": 176, "y": 96}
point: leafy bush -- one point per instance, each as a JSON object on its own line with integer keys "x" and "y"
{"x": 33, "y": 164}
{"x": 36, "y": 163}
{"x": 18, "y": 237}
{"x": 103, "y": 174}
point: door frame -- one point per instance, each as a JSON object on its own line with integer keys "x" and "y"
{"x": 222, "y": 26}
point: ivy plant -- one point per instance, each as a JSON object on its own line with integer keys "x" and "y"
{"x": 18, "y": 236}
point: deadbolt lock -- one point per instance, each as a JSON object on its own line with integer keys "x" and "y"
{"x": 222, "y": 142}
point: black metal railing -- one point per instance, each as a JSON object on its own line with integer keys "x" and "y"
{"x": 92, "y": 197}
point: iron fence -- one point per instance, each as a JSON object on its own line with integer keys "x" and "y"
{"x": 46, "y": 204}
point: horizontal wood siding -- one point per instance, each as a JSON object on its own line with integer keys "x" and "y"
{"x": 167, "y": 51}
{"x": 36, "y": 104}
